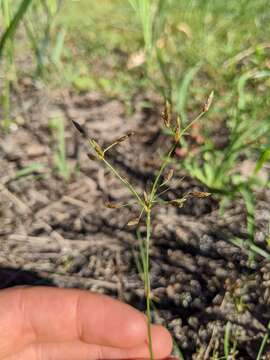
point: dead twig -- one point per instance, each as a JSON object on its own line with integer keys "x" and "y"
{"x": 20, "y": 205}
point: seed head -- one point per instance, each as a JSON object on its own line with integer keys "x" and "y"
{"x": 79, "y": 128}
{"x": 168, "y": 176}
{"x": 125, "y": 137}
{"x": 167, "y": 114}
{"x": 111, "y": 205}
{"x": 98, "y": 149}
{"x": 199, "y": 194}
{"x": 133, "y": 222}
{"x": 145, "y": 196}
{"x": 177, "y": 133}
{"x": 209, "y": 101}
{"x": 178, "y": 202}
{"x": 91, "y": 157}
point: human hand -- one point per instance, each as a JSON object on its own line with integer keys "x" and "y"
{"x": 43, "y": 323}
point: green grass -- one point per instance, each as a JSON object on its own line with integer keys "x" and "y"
{"x": 12, "y": 22}
{"x": 12, "y": 17}
{"x": 263, "y": 343}
{"x": 46, "y": 38}
{"x": 192, "y": 47}
{"x": 57, "y": 127}
{"x": 8, "y": 64}
{"x": 210, "y": 32}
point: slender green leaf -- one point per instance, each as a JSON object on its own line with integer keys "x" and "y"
{"x": 253, "y": 74}
{"x": 265, "y": 156}
{"x": 183, "y": 92}
{"x": 28, "y": 170}
{"x": 178, "y": 350}
{"x": 9, "y": 33}
{"x": 242, "y": 244}
{"x": 227, "y": 336}
{"x": 263, "y": 344}
{"x": 58, "y": 48}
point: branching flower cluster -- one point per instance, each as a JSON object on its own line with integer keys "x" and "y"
{"x": 146, "y": 201}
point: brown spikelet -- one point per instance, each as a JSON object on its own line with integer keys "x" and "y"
{"x": 145, "y": 196}
{"x": 133, "y": 222}
{"x": 167, "y": 114}
{"x": 176, "y": 136}
{"x": 91, "y": 157}
{"x": 209, "y": 101}
{"x": 111, "y": 205}
{"x": 168, "y": 176}
{"x": 177, "y": 130}
{"x": 199, "y": 194}
{"x": 125, "y": 137}
{"x": 178, "y": 202}
{"x": 98, "y": 149}
{"x": 79, "y": 127}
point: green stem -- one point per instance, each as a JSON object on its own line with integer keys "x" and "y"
{"x": 148, "y": 283}
{"x": 161, "y": 170}
{"x": 124, "y": 181}
{"x": 146, "y": 260}
{"x": 191, "y": 123}
{"x": 263, "y": 344}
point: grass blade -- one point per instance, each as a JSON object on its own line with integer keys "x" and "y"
{"x": 242, "y": 84}
{"x": 143, "y": 11}
{"x": 177, "y": 350}
{"x": 9, "y": 33}
{"x": 263, "y": 344}
{"x": 29, "y": 170}
{"x": 265, "y": 156}
{"x": 227, "y": 340}
{"x": 59, "y": 47}
{"x": 251, "y": 247}
{"x": 183, "y": 91}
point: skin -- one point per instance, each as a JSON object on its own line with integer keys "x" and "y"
{"x": 43, "y": 323}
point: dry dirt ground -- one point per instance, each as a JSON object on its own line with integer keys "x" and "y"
{"x": 63, "y": 235}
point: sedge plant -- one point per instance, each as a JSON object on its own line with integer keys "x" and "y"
{"x": 146, "y": 201}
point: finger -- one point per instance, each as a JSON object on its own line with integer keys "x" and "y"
{"x": 77, "y": 350}
{"x": 50, "y": 314}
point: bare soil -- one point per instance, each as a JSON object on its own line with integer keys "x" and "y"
{"x": 61, "y": 234}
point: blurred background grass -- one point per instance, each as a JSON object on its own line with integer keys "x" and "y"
{"x": 196, "y": 32}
